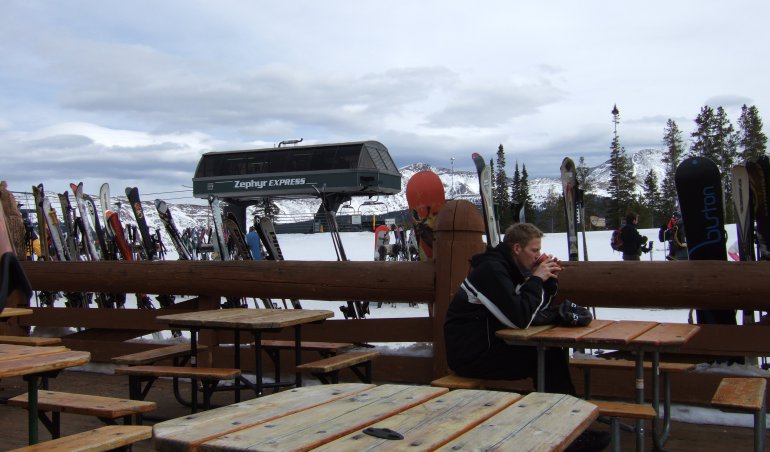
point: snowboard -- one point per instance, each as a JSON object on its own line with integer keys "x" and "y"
{"x": 113, "y": 219}
{"x": 699, "y": 189}
{"x": 742, "y": 206}
{"x": 266, "y": 232}
{"x": 759, "y": 185}
{"x": 54, "y": 229}
{"x": 425, "y": 196}
{"x": 569, "y": 189}
{"x": 141, "y": 222}
{"x": 220, "y": 244}
{"x": 97, "y": 226}
{"x": 236, "y": 234}
{"x": 487, "y": 203}
{"x": 42, "y": 232}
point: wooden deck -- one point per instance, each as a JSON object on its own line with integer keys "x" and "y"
{"x": 684, "y": 437}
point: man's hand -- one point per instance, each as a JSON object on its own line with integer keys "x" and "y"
{"x": 548, "y": 269}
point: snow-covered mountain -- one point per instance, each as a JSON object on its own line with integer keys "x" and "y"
{"x": 457, "y": 185}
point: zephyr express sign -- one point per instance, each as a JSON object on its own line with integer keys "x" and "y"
{"x": 257, "y": 184}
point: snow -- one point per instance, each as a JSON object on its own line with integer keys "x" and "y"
{"x": 359, "y": 246}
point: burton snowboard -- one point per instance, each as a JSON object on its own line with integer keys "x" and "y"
{"x": 569, "y": 188}
{"x": 699, "y": 189}
{"x": 425, "y": 196}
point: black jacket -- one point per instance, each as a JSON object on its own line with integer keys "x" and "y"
{"x": 469, "y": 329}
{"x": 632, "y": 240}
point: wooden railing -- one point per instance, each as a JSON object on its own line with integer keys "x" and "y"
{"x": 458, "y": 236}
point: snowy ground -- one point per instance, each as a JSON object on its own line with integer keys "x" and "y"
{"x": 359, "y": 246}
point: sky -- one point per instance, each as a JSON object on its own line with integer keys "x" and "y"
{"x": 132, "y": 93}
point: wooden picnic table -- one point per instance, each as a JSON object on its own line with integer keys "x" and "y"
{"x": 631, "y": 335}
{"x": 334, "y": 417}
{"x": 9, "y": 313}
{"x": 31, "y": 363}
{"x": 256, "y": 321}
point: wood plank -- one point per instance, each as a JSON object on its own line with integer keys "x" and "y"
{"x": 556, "y": 334}
{"x": 97, "y": 440}
{"x": 12, "y": 352}
{"x": 457, "y": 382}
{"x": 624, "y": 409}
{"x": 323, "y": 423}
{"x": 44, "y": 363}
{"x": 539, "y": 421}
{"x": 65, "y": 402}
{"x": 33, "y": 341}
{"x": 620, "y": 332}
{"x": 667, "y": 334}
{"x": 338, "y": 362}
{"x": 247, "y": 318}
{"x": 522, "y": 333}
{"x": 190, "y": 431}
{"x": 332, "y": 347}
{"x": 740, "y": 394}
{"x": 156, "y": 354}
{"x": 8, "y": 313}
{"x": 219, "y": 373}
{"x": 431, "y": 424}
{"x": 628, "y": 364}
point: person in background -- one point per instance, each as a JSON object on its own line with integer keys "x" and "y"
{"x": 677, "y": 243}
{"x": 252, "y": 239}
{"x": 633, "y": 242}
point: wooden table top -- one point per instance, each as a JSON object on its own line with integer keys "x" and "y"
{"x": 246, "y": 318}
{"x": 607, "y": 333}
{"x": 17, "y": 360}
{"x": 14, "y": 312}
{"x": 332, "y": 418}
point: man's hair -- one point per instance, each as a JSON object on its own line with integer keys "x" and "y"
{"x": 631, "y": 216}
{"x": 521, "y": 233}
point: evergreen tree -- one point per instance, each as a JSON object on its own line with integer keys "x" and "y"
{"x": 516, "y": 189}
{"x": 621, "y": 184}
{"x": 726, "y": 147}
{"x": 672, "y": 156}
{"x": 525, "y": 198}
{"x": 501, "y": 194}
{"x": 550, "y": 216}
{"x": 653, "y": 201}
{"x": 752, "y": 142}
{"x": 702, "y": 144}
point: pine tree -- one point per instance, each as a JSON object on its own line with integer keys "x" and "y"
{"x": 501, "y": 194}
{"x": 525, "y": 198}
{"x": 672, "y": 138}
{"x": 516, "y": 202}
{"x": 702, "y": 137}
{"x": 726, "y": 147}
{"x": 653, "y": 202}
{"x": 752, "y": 142}
{"x": 621, "y": 184}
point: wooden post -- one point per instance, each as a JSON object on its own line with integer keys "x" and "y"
{"x": 459, "y": 232}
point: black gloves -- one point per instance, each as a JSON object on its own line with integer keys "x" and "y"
{"x": 571, "y": 314}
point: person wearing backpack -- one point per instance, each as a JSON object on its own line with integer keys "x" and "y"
{"x": 632, "y": 240}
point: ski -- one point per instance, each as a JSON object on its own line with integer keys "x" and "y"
{"x": 97, "y": 226}
{"x": 266, "y": 232}
{"x": 38, "y": 193}
{"x": 69, "y": 226}
{"x": 699, "y": 189}
{"x": 569, "y": 189}
{"x": 168, "y": 223}
{"x": 235, "y": 234}
{"x": 487, "y": 203}
{"x": 89, "y": 235}
{"x": 113, "y": 219}
{"x": 220, "y": 245}
{"x": 104, "y": 202}
{"x": 141, "y": 221}
{"x": 759, "y": 185}
{"x": 57, "y": 239}
{"x": 744, "y": 218}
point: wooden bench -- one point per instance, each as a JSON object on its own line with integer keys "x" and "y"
{"x": 110, "y": 437}
{"x": 273, "y": 349}
{"x": 180, "y": 354}
{"x": 744, "y": 395}
{"x": 208, "y": 376}
{"x": 327, "y": 369}
{"x": 664, "y": 368}
{"x": 30, "y": 340}
{"x": 107, "y": 409}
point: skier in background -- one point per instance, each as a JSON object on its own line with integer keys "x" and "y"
{"x": 252, "y": 239}
{"x": 677, "y": 244}
{"x": 633, "y": 242}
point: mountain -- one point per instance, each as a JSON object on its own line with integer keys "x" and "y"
{"x": 457, "y": 185}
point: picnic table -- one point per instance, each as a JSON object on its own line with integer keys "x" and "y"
{"x": 630, "y": 335}
{"x": 256, "y": 321}
{"x": 32, "y": 363}
{"x": 335, "y": 418}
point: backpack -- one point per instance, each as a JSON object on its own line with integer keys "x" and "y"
{"x": 616, "y": 242}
